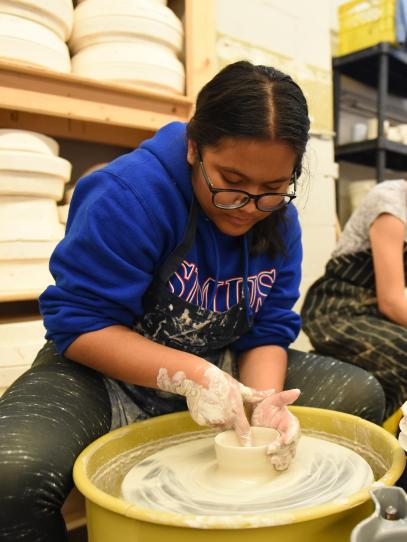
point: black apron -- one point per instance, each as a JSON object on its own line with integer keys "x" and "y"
{"x": 174, "y": 322}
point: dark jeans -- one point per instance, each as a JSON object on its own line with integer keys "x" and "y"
{"x": 58, "y": 407}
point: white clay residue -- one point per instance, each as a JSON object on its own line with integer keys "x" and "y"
{"x": 212, "y": 404}
{"x": 185, "y": 318}
{"x": 186, "y": 479}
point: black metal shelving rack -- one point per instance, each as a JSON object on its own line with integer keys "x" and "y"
{"x": 383, "y": 67}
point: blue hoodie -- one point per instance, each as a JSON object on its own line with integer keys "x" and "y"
{"x": 126, "y": 218}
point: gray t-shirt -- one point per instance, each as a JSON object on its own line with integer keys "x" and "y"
{"x": 386, "y": 197}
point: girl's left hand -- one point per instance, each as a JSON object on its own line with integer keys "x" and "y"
{"x": 272, "y": 412}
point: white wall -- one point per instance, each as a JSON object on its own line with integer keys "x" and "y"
{"x": 288, "y": 27}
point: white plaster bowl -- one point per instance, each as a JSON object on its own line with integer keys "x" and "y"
{"x": 69, "y": 194}
{"x": 33, "y": 174}
{"x": 24, "y": 270}
{"x": 63, "y": 211}
{"x": 24, "y": 279}
{"x": 29, "y": 219}
{"x": 27, "y": 42}
{"x": 103, "y": 21}
{"x": 26, "y": 250}
{"x": 26, "y": 141}
{"x": 20, "y": 342}
{"x": 56, "y": 15}
{"x": 143, "y": 64}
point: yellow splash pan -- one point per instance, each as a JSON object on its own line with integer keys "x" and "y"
{"x": 110, "y": 519}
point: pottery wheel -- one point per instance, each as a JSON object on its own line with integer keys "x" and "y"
{"x": 186, "y": 479}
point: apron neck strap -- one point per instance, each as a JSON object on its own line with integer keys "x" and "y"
{"x": 174, "y": 260}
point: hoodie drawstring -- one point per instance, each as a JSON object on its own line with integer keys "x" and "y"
{"x": 246, "y": 292}
{"x": 245, "y": 289}
{"x": 217, "y": 264}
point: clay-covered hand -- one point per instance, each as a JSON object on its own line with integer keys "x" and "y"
{"x": 273, "y": 412}
{"x": 215, "y": 401}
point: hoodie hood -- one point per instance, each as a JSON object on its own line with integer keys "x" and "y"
{"x": 160, "y": 163}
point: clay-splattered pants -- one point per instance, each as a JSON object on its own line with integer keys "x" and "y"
{"x": 58, "y": 407}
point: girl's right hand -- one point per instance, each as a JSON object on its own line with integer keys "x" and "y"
{"x": 216, "y": 401}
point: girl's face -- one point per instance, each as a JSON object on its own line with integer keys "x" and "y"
{"x": 251, "y": 165}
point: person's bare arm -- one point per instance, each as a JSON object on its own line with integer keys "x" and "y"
{"x": 263, "y": 367}
{"x": 387, "y": 236}
{"x": 124, "y": 354}
{"x": 213, "y": 397}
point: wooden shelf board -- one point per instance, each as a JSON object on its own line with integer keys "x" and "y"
{"x": 80, "y": 108}
{"x": 73, "y": 129}
{"x": 21, "y": 295}
{"x": 75, "y": 521}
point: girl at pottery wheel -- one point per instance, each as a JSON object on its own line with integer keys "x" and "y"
{"x": 174, "y": 289}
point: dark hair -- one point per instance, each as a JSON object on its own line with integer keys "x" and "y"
{"x": 259, "y": 102}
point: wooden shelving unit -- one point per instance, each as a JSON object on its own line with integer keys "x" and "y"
{"x": 365, "y": 153}
{"x": 21, "y": 295}
{"x": 65, "y": 105}
{"x": 72, "y": 107}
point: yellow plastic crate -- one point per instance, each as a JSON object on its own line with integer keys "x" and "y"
{"x": 363, "y": 23}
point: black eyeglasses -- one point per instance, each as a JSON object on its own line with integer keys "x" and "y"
{"x": 227, "y": 198}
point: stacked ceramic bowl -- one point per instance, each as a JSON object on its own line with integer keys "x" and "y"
{"x": 35, "y": 32}
{"x": 20, "y": 340}
{"x": 32, "y": 179}
{"x": 136, "y": 42}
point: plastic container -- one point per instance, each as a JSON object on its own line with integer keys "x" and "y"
{"x": 100, "y": 468}
{"x": 359, "y": 131}
{"x": 363, "y": 23}
{"x": 389, "y": 521}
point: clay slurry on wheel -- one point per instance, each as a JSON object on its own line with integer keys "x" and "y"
{"x": 185, "y": 479}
